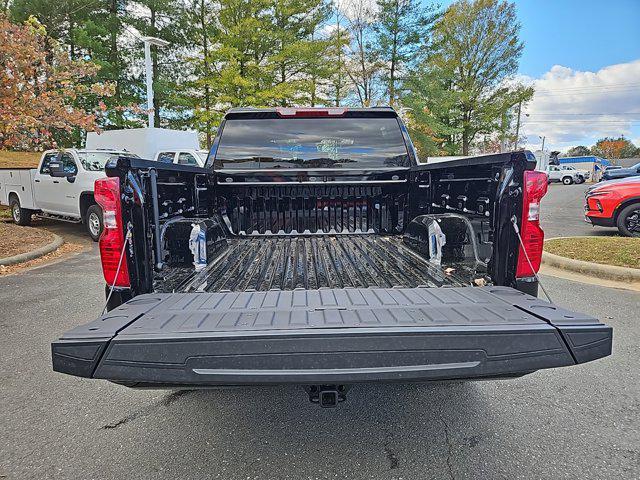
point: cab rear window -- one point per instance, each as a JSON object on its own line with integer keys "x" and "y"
{"x": 311, "y": 143}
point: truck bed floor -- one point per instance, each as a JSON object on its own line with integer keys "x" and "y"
{"x": 312, "y": 262}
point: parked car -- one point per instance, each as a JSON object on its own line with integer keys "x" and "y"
{"x": 615, "y": 173}
{"x": 311, "y": 250}
{"x": 557, "y": 174}
{"x": 615, "y": 203}
{"x": 582, "y": 174}
{"x": 60, "y": 188}
{"x": 183, "y": 157}
{"x": 144, "y": 142}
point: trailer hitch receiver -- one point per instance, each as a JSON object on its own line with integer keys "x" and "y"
{"x": 327, "y": 396}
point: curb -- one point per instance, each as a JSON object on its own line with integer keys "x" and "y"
{"x": 32, "y": 255}
{"x": 611, "y": 272}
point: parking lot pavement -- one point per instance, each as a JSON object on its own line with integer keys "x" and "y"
{"x": 70, "y": 232}
{"x": 562, "y": 212}
{"x": 578, "y": 422}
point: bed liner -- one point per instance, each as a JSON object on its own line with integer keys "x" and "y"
{"x": 328, "y": 336}
{"x": 289, "y": 262}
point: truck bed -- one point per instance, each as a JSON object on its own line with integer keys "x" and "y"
{"x": 263, "y": 263}
{"x": 328, "y": 336}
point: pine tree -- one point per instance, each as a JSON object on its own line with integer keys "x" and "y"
{"x": 475, "y": 52}
{"x": 200, "y": 31}
{"x": 167, "y": 20}
{"x": 402, "y": 34}
{"x": 338, "y": 82}
{"x": 297, "y": 54}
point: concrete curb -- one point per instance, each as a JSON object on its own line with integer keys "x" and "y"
{"x": 32, "y": 255}
{"x": 611, "y": 272}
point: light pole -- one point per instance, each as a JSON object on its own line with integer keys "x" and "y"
{"x": 158, "y": 42}
{"x": 543, "y": 138}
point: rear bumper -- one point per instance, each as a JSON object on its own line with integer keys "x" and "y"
{"x": 337, "y": 357}
{"x": 600, "y": 221}
{"x": 478, "y": 333}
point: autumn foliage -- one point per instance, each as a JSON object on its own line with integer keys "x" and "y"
{"x": 40, "y": 87}
{"x": 614, "y": 148}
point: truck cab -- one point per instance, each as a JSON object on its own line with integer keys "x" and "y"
{"x": 195, "y": 158}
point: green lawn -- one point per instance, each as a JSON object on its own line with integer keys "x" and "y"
{"x": 620, "y": 251}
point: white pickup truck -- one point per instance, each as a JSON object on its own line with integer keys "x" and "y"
{"x": 196, "y": 158}
{"x": 564, "y": 174}
{"x": 60, "y": 188}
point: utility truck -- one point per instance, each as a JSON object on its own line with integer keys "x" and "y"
{"x": 327, "y": 256}
{"x": 61, "y": 188}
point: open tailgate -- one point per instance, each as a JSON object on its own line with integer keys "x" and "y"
{"x": 329, "y": 336}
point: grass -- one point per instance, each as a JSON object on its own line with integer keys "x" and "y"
{"x": 620, "y": 251}
{"x": 19, "y": 159}
{"x": 5, "y": 212}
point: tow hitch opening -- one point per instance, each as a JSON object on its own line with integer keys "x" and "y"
{"x": 327, "y": 396}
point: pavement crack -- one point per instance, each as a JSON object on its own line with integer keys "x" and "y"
{"x": 449, "y": 449}
{"x": 171, "y": 398}
{"x": 164, "y": 402}
{"x": 121, "y": 422}
{"x": 391, "y": 457}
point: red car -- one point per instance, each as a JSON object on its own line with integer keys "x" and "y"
{"x": 615, "y": 203}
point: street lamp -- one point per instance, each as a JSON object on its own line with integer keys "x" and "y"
{"x": 158, "y": 42}
{"x": 543, "y": 138}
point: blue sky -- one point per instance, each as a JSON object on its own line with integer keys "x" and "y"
{"x": 583, "y": 57}
{"x": 579, "y": 34}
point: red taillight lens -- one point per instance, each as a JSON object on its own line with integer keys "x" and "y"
{"x": 107, "y": 193}
{"x": 535, "y": 187}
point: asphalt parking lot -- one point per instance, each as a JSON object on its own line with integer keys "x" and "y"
{"x": 562, "y": 212}
{"x": 578, "y": 422}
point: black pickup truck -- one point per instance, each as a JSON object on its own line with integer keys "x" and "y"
{"x": 332, "y": 257}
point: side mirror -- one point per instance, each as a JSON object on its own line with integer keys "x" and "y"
{"x": 56, "y": 169}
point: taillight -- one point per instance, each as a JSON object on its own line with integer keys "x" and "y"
{"x": 107, "y": 194}
{"x": 535, "y": 187}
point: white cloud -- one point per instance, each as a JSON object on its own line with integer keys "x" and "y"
{"x": 565, "y": 100}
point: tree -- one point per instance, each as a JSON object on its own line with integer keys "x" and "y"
{"x": 296, "y": 56}
{"x": 200, "y": 30}
{"x": 165, "y": 19}
{"x": 338, "y": 84}
{"x": 39, "y": 86}
{"x": 364, "y": 65}
{"x": 432, "y": 112}
{"x": 579, "y": 151}
{"x": 97, "y": 31}
{"x": 475, "y": 51}
{"x": 610, "y": 147}
{"x": 401, "y": 32}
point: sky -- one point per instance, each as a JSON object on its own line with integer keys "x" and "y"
{"x": 583, "y": 58}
